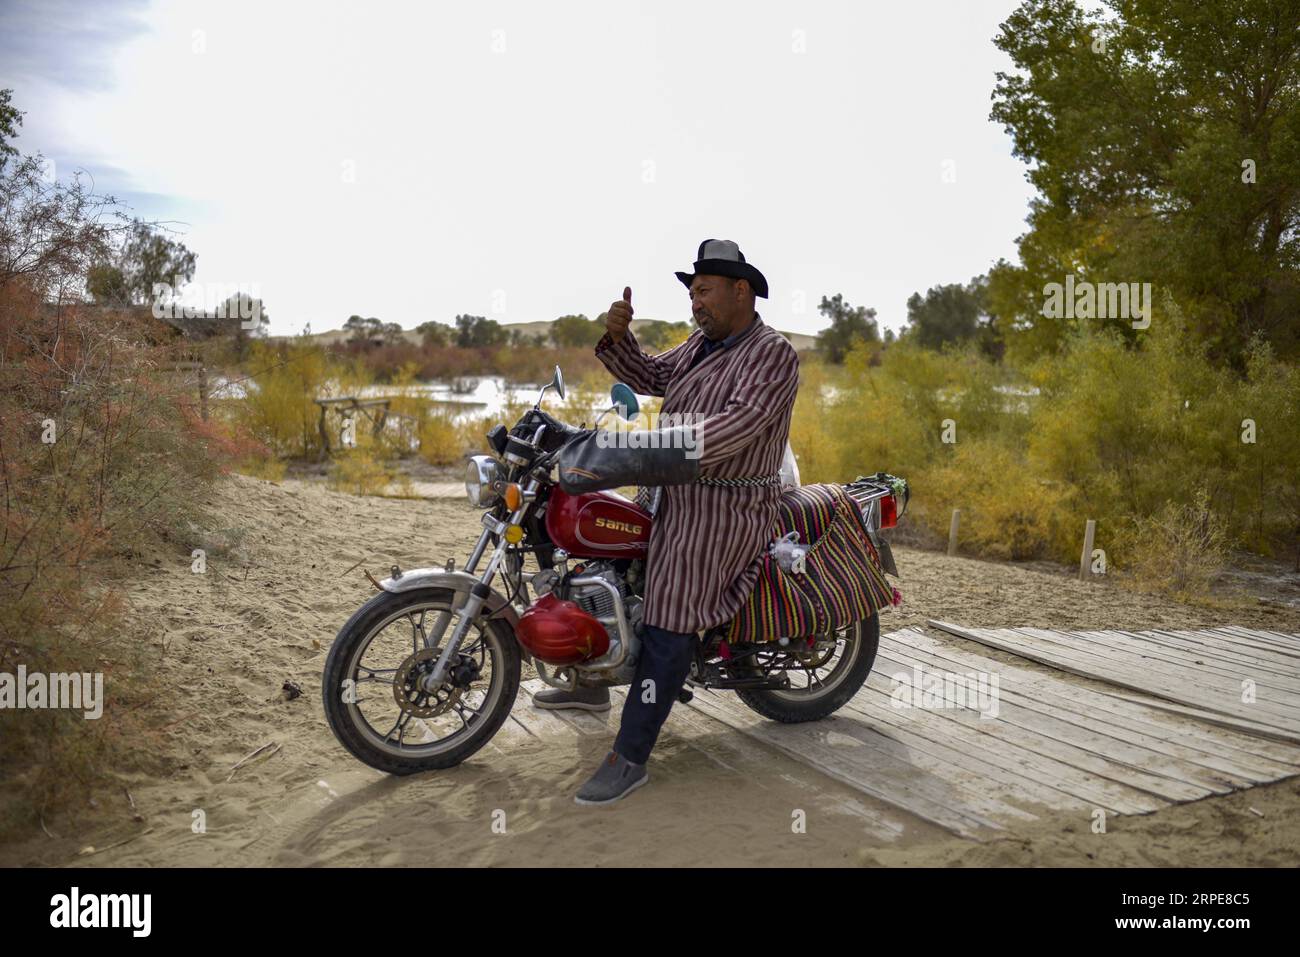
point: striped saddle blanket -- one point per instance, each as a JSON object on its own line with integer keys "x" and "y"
{"x": 842, "y": 580}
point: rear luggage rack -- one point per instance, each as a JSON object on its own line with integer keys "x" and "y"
{"x": 867, "y": 490}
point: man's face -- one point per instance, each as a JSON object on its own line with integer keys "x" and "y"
{"x": 719, "y": 304}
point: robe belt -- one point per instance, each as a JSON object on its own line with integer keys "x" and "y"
{"x": 749, "y": 481}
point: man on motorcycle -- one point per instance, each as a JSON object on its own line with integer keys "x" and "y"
{"x": 736, "y": 377}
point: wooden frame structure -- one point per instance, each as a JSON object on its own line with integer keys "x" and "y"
{"x": 348, "y": 406}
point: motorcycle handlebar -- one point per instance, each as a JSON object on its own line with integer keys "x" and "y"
{"x": 555, "y": 435}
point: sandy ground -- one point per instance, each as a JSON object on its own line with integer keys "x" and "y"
{"x": 287, "y": 572}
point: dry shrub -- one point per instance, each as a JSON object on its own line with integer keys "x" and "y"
{"x": 359, "y": 472}
{"x": 104, "y": 459}
{"x": 124, "y": 476}
{"x": 1179, "y": 550}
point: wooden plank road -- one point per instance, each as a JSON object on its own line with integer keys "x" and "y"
{"x": 1040, "y": 740}
{"x": 1256, "y": 690}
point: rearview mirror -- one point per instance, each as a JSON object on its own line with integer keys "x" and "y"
{"x": 624, "y": 400}
{"x": 556, "y": 383}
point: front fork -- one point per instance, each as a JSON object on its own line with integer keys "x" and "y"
{"x": 480, "y": 592}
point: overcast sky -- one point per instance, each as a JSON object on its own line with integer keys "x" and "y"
{"x": 526, "y": 160}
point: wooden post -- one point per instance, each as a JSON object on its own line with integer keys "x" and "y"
{"x": 952, "y": 531}
{"x": 1085, "y": 560}
{"x": 324, "y": 434}
{"x": 203, "y": 392}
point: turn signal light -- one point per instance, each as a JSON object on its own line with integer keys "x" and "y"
{"x": 514, "y": 497}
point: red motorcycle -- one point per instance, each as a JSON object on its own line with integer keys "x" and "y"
{"x": 425, "y": 673}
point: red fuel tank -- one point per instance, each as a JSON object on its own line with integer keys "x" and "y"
{"x": 597, "y": 525}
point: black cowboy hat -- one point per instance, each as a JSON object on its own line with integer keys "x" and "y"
{"x": 722, "y": 257}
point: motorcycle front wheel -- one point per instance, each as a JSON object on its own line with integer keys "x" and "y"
{"x": 375, "y": 702}
{"x": 822, "y": 679}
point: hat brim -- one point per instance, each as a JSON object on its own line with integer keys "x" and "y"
{"x": 725, "y": 267}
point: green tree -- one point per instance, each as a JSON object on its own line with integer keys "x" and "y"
{"x": 476, "y": 331}
{"x": 576, "y": 331}
{"x": 1163, "y": 138}
{"x": 246, "y": 318}
{"x": 145, "y": 267}
{"x": 434, "y": 334}
{"x": 849, "y": 325}
{"x": 952, "y": 314}
{"x": 518, "y": 339}
{"x": 368, "y": 330}
{"x": 10, "y": 120}
{"x": 107, "y": 284}
{"x": 658, "y": 335}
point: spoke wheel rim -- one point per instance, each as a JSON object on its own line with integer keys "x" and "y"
{"x": 402, "y": 734}
{"x": 825, "y": 679}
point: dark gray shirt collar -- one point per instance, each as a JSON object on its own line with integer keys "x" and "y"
{"x": 710, "y": 345}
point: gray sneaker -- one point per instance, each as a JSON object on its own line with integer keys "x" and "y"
{"x": 585, "y": 698}
{"x": 616, "y": 778}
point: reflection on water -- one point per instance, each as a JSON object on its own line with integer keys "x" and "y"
{"x": 466, "y": 395}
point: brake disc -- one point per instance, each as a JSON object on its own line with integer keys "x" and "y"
{"x": 411, "y": 697}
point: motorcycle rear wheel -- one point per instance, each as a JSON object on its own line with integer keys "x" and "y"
{"x": 860, "y": 641}
{"x": 355, "y": 693}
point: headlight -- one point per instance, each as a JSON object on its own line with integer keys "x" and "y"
{"x": 479, "y": 476}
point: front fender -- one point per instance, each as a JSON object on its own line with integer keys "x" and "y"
{"x": 460, "y": 582}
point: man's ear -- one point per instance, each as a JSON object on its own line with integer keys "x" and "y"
{"x": 741, "y": 288}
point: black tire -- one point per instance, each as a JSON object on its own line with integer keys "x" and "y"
{"x": 794, "y": 707}
{"x": 346, "y": 654}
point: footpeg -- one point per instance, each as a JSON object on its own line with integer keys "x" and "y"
{"x": 685, "y": 695}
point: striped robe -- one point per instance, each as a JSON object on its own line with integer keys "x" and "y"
{"x": 705, "y": 541}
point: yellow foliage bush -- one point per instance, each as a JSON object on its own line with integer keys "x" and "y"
{"x": 268, "y": 467}
{"x": 277, "y": 408}
{"x": 1006, "y": 511}
{"x": 1099, "y": 431}
{"x": 358, "y": 472}
{"x": 442, "y": 441}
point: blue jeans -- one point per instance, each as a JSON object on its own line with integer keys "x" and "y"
{"x": 660, "y": 674}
